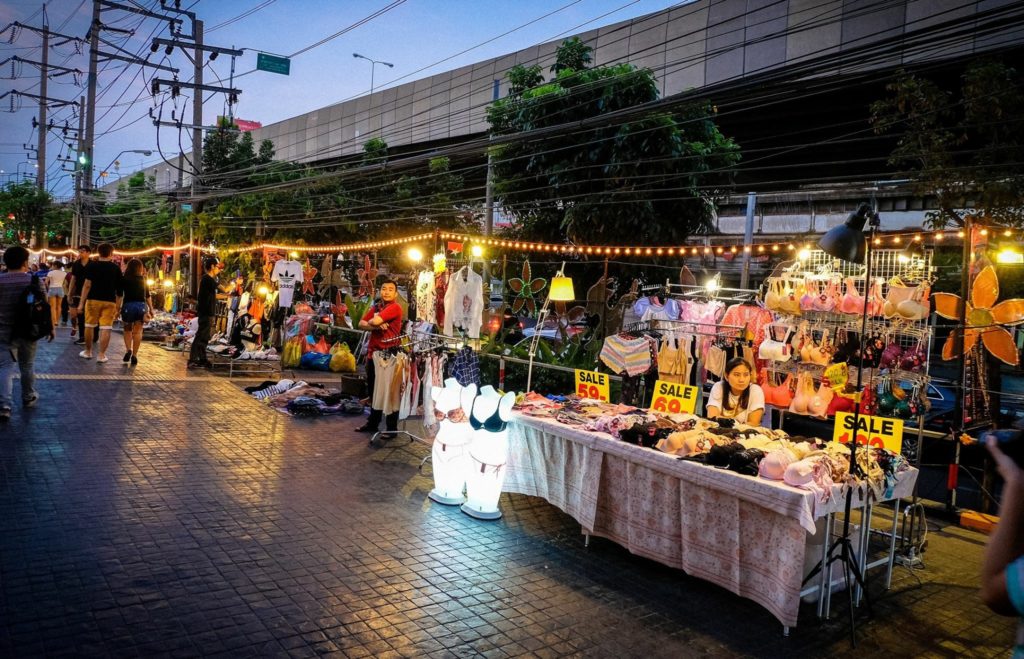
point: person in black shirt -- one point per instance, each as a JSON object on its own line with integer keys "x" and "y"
{"x": 77, "y": 281}
{"x": 100, "y": 301}
{"x": 206, "y": 307}
{"x": 136, "y": 305}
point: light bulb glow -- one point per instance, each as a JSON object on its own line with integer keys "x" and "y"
{"x": 415, "y": 255}
{"x": 477, "y": 251}
{"x": 804, "y": 254}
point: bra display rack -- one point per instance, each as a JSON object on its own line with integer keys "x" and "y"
{"x": 897, "y": 318}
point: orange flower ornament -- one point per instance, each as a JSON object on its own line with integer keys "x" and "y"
{"x": 985, "y": 318}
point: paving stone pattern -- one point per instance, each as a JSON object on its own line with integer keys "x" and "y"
{"x": 153, "y": 512}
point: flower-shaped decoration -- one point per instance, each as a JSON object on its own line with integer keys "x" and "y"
{"x": 984, "y": 318}
{"x": 367, "y": 277}
{"x": 525, "y": 288}
{"x": 307, "y": 278}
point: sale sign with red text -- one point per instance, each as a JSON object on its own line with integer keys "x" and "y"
{"x": 673, "y": 398}
{"x": 591, "y": 384}
{"x": 874, "y": 431}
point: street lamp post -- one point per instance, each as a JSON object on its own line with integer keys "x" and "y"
{"x": 145, "y": 152}
{"x": 373, "y": 65}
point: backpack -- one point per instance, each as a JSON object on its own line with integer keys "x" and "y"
{"x": 32, "y": 319}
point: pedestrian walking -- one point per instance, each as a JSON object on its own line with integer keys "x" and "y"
{"x": 77, "y": 281}
{"x": 100, "y": 301}
{"x": 136, "y": 308}
{"x": 17, "y": 351}
{"x": 206, "y": 308}
{"x": 55, "y": 289}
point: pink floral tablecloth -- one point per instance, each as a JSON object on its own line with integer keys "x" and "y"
{"x": 743, "y": 533}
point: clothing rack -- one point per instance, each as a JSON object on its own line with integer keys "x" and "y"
{"x": 685, "y": 291}
{"x": 686, "y": 327}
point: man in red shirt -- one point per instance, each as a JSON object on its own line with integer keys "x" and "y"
{"x": 384, "y": 323}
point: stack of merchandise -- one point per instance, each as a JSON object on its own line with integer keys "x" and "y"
{"x": 806, "y": 463}
{"x": 298, "y": 398}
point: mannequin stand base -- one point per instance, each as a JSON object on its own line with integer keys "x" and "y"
{"x": 445, "y": 501}
{"x": 480, "y": 514}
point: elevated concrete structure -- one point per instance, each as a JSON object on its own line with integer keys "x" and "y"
{"x": 690, "y": 46}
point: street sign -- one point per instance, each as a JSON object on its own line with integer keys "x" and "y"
{"x": 186, "y": 208}
{"x": 273, "y": 64}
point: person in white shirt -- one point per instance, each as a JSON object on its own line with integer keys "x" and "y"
{"x": 736, "y": 397}
{"x": 55, "y": 289}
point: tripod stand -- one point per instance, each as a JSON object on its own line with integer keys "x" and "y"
{"x": 848, "y": 242}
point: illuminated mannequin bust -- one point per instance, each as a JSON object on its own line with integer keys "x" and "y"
{"x": 450, "y": 454}
{"x": 488, "y": 450}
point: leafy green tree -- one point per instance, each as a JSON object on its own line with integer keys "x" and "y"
{"x": 26, "y": 212}
{"x": 137, "y": 216}
{"x": 521, "y": 78}
{"x": 572, "y": 55}
{"x": 652, "y": 177}
{"x": 229, "y": 155}
{"x": 961, "y": 148}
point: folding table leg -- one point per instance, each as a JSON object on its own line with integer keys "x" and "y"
{"x": 892, "y": 543}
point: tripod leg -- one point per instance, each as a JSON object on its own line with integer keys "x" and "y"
{"x": 863, "y": 585}
{"x": 848, "y": 564}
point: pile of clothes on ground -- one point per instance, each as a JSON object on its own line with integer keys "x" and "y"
{"x": 298, "y": 398}
{"x": 808, "y": 463}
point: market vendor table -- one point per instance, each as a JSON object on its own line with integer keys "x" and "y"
{"x": 743, "y": 533}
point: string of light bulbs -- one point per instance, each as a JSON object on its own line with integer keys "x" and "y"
{"x": 896, "y": 239}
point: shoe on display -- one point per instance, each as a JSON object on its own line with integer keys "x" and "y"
{"x": 85, "y": 354}
{"x": 31, "y": 400}
{"x": 127, "y": 356}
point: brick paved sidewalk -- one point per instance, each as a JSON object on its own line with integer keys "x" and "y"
{"x": 155, "y": 512}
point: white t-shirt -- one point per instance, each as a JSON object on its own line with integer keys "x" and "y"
{"x": 56, "y": 278}
{"x": 286, "y": 274}
{"x": 756, "y": 401}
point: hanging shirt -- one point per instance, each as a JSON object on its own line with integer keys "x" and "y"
{"x": 466, "y": 367}
{"x": 650, "y": 307}
{"x": 286, "y": 275}
{"x": 426, "y": 298}
{"x": 464, "y": 303}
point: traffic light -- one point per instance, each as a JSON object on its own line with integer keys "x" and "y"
{"x": 83, "y": 159}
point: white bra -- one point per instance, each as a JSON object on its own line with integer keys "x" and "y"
{"x": 773, "y": 350}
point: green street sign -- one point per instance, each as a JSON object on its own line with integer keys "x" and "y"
{"x": 273, "y": 64}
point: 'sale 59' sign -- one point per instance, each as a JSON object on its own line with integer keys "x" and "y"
{"x": 590, "y": 384}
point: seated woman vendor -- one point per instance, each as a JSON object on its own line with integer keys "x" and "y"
{"x": 745, "y": 400}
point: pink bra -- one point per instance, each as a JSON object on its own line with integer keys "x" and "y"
{"x": 810, "y": 295}
{"x": 852, "y": 302}
{"x": 828, "y": 298}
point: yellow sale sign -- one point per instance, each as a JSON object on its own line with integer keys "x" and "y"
{"x": 673, "y": 398}
{"x": 874, "y": 431}
{"x": 591, "y": 384}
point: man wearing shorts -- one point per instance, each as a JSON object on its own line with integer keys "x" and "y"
{"x": 75, "y": 284}
{"x": 100, "y": 301}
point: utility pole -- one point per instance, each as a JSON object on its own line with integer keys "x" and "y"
{"x": 43, "y": 130}
{"x": 197, "y": 144}
{"x": 748, "y": 239}
{"x": 76, "y": 227}
{"x": 86, "y": 145}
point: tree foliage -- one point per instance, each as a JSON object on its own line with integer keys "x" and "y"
{"x": 963, "y": 148}
{"x": 137, "y": 216}
{"x": 229, "y": 155}
{"x": 26, "y": 210}
{"x": 653, "y": 177}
